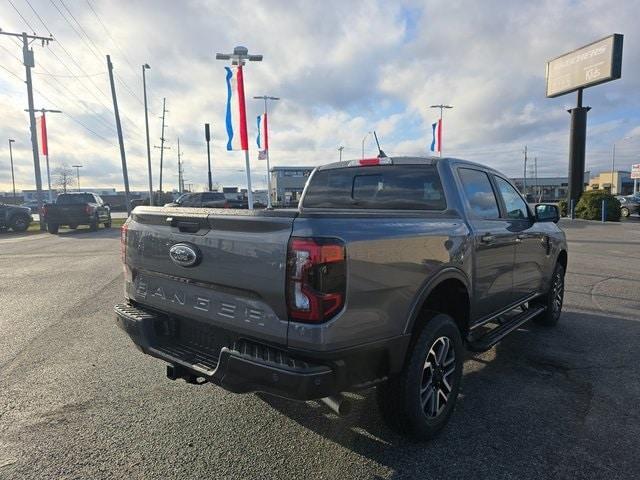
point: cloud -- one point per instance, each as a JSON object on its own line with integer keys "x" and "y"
{"x": 341, "y": 68}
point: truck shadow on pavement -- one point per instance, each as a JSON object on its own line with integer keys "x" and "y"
{"x": 559, "y": 402}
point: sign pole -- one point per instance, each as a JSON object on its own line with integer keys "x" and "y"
{"x": 207, "y": 137}
{"x": 577, "y": 145}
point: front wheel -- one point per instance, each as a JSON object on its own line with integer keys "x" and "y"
{"x": 624, "y": 211}
{"x": 52, "y": 227}
{"x": 553, "y": 299}
{"x": 20, "y": 223}
{"x": 419, "y": 402}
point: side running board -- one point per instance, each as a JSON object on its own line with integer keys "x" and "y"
{"x": 489, "y": 339}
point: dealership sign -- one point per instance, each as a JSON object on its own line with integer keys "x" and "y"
{"x": 635, "y": 170}
{"x": 590, "y": 65}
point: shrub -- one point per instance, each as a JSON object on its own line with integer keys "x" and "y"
{"x": 590, "y": 206}
{"x": 563, "y": 206}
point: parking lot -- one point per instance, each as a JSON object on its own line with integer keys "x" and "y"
{"x": 77, "y": 400}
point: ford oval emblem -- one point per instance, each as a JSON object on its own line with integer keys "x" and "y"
{"x": 184, "y": 255}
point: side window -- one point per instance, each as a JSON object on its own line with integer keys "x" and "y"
{"x": 478, "y": 190}
{"x": 515, "y": 205}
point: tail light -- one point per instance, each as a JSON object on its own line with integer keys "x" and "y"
{"x": 316, "y": 279}
{"x": 123, "y": 242}
{"x": 43, "y": 211}
{"x": 88, "y": 209}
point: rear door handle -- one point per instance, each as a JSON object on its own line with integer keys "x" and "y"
{"x": 487, "y": 238}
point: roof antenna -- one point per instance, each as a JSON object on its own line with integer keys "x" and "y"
{"x": 381, "y": 153}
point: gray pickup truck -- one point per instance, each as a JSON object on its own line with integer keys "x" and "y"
{"x": 381, "y": 277}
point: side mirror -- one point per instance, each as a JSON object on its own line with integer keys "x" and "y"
{"x": 547, "y": 213}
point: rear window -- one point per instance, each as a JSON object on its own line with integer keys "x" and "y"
{"x": 75, "y": 199}
{"x": 395, "y": 187}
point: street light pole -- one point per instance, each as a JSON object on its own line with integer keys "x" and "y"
{"x": 78, "y": 167}
{"x": 207, "y": 137}
{"x": 441, "y": 107}
{"x": 266, "y": 144}
{"x": 239, "y": 57}
{"x": 340, "y": 149}
{"x": 146, "y": 125}
{"x": 13, "y": 180}
{"x": 363, "y": 139}
{"x": 613, "y": 159}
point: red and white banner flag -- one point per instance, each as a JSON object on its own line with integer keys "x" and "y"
{"x": 41, "y": 124}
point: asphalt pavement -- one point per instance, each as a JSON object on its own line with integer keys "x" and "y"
{"x": 78, "y": 401}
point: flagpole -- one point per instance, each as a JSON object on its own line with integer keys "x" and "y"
{"x": 441, "y": 107}
{"x": 266, "y": 138}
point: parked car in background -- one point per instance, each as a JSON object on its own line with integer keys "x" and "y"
{"x": 73, "y": 209}
{"x": 33, "y": 206}
{"x": 383, "y": 274}
{"x": 15, "y": 218}
{"x": 201, "y": 199}
{"x": 629, "y": 205}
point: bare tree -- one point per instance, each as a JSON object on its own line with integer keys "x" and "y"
{"x": 64, "y": 177}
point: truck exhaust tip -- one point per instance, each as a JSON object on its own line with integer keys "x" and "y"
{"x": 338, "y": 404}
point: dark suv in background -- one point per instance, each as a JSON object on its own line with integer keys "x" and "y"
{"x": 201, "y": 199}
{"x": 15, "y": 218}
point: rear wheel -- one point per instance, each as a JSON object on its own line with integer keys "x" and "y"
{"x": 93, "y": 225}
{"x": 624, "y": 211}
{"x": 419, "y": 402}
{"x": 553, "y": 299}
{"x": 20, "y": 223}
{"x": 73, "y": 226}
{"x": 52, "y": 227}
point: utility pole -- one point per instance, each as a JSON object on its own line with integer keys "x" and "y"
{"x": 266, "y": 144}
{"x": 13, "y": 180}
{"x": 238, "y": 58}
{"x": 179, "y": 169}
{"x": 78, "y": 167}
{"x": 146, "y": 125}
{"x": 123, "y": 156}
{"x": 535, "y": 173}
{"x": 207, "y": 137}
{"x": 524, "y": 179}
{"x": 44, "y": 145}
{"x": 340, "y": 149}
{"x": 29, "y": 62}
{"x": 441, "y": 107}
{"x": 162, "y": 147}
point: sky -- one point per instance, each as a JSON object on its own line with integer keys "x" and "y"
{"x": 341, "y": 69}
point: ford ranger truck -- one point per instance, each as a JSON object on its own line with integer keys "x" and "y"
{"x": 384, "y": 274}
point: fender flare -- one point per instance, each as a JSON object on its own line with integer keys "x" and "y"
{"x": 430, "y": 284}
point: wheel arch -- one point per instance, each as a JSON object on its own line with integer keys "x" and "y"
{"x": 563, "y": 259}
{"x": 451, "y": 281}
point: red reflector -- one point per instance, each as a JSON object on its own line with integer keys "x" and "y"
{"x": 367, "y": 162}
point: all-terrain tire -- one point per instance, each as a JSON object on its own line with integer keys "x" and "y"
{"x": 20, "y": 223}
{"x": 552, "y": 299}
{"x": 419, "y": 402}
{"x": 52, "y": 228}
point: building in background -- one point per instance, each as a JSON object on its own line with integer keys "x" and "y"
{"x": 622, "y": 182}
{"x": 287, "y": 184}
{"x": 546, "y": 189}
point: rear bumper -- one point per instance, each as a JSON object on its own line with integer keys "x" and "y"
{"x": 242, "y": 367}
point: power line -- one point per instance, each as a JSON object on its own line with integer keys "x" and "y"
{"x": 39, "y": 18}
{"x": 109, "y": 35}
{"x": 22, "y": 17}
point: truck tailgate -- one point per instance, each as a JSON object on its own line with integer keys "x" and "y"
{"x": 238, "y": 282}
